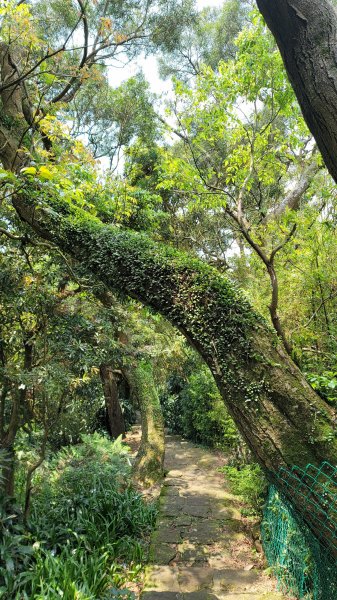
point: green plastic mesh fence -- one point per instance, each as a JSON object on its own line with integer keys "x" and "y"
{"x": 303, "y": 562}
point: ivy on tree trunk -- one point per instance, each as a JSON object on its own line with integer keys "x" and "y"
{"x": 282, "y": 419}
{"x": 149, "y": 463}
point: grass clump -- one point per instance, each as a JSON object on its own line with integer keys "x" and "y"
{"x": 249, "y": 482}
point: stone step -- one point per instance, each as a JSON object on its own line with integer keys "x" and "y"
{"x": 210, "y": 595}
{"x": 242, "y": 596}
{"x": 194, "y": 579}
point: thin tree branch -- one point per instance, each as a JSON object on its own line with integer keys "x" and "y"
{"x": 280, "y": 246}
{"x": 11, "y": 236}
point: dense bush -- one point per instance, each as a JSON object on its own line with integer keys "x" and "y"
{"x": 249, "y": 482}
{"x": 193, "y": 407}
{"x": 88, "y": 529}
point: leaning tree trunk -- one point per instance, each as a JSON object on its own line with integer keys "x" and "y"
{"x": 149, "y": 464}
{"x": 306, "y": 34}
{"x": 115, "y": 418}
{"x": 283, "y": 420}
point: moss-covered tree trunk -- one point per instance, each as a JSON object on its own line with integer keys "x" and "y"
{"x": 283, "y": 420}
{"x": 115, "y": 418}
{"x": 149, "y": 463}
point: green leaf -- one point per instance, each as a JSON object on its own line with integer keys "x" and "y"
{"x": 9, "y": 564}
{"x": 45, "y": 173}
{"x": 29, "y": 171}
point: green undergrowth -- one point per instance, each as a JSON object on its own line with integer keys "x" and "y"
{"x": 192, "y": 406}
{"x": 88, "y": 531}
{"x": 248, "y": 482}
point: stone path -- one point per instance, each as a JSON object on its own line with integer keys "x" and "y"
{"x": 200, "y": 550}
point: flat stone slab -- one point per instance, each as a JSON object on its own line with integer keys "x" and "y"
{"x": 173, "y": 510}
{"x": 173, "y": 500}
{"x": 170, "y": 491}
{"x": 204, "y": 532}
{"x": 224, "y": 511}
{"x": 175, "y": 482}
{"x": 195, "y": 498}
{"x": 193, "y": 579}
{"x": 231, "y": 580}
{"x": 169, "y": 535}
{"x": 164, "y": 553}
{"x": 183, "y": 521}
{"x": 162, "y": 596}
{"x": 162, "y": 579}
{"x": 195, "y": 510}
{"x": 201, "y": 595}
{"x": 194, "y": 553}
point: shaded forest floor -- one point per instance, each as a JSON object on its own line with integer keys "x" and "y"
{"x": 202, "y": 548}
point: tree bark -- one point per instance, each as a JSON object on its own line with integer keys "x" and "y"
{"x": 30, "y": 472}
{"x": 279, "y": 415}
{"x": 7, "y": 473}
{"x": 273, "y": 308}
{"x": 20, "y": 413}
{"x": 306, "y": 34}
{"x": 115, "y": 417}
{"x": 292, "y": 200}
{"x": 16, "y": 116}
{"x": 149, "y": 464}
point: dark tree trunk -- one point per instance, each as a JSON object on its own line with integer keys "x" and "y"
{"x": 149, "y": 464}
{"x": 7, "y": 473}
{"x": 20, "y": 414}
{"x": 16, "y": 114}
{"x": 114, "y": 412}
{"x": 306, "y": 34}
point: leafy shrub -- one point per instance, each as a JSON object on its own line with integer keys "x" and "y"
{"x": 325, "y": 384}
{"x": 172, "y": 403}
{"x": 88, "y": 528}
{"x": 250, "y": 483}
{"x": 16, "y": 548}
{"x": 195, "y": 409}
